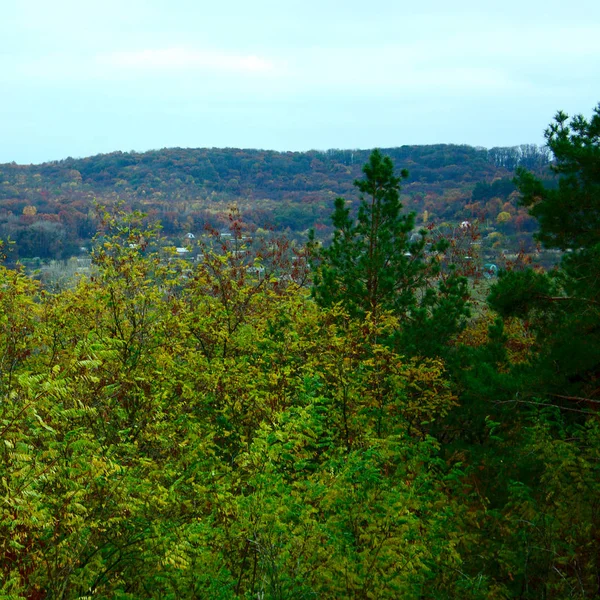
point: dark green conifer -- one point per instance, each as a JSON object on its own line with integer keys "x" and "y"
{"x": 563, "y": 306}
{"x": 378, "y": 264}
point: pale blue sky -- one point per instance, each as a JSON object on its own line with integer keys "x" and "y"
{"x": 78, "y": 78}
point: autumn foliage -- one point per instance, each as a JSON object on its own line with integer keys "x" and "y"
{"x": 177, "y": 428}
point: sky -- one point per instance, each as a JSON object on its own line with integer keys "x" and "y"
{"x": 80, "y": 78}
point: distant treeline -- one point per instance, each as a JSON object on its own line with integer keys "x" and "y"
{"x": 48, "y": 211}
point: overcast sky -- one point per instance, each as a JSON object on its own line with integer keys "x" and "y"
{"x": 79, "y": 78}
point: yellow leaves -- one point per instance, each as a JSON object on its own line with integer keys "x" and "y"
{"x": 425, "y": 390}
{"x": 520, "y": 342}
{"x": 41, "y": 422}
{"x": 215, "y": 425}
{"x": 375, "y": 389}
{"x": 179, "y": 561}
{"x": 503, "y": 217}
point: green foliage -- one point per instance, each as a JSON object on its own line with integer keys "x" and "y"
{"x": 210, "y": 434}
{"x": 520, "y": 293}
{"x": 366, "y": 262}
{"x": 539, "y": 454}
{"x": 204, "y": 429}
{"x": 569, "y": 214}
{"x": 374, "y": 266}
{"x": 563, "y": 307}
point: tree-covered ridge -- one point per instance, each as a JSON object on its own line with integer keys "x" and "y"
{"x": 271, "y": 174}
{"x": 172, "y": 429}
{"x": 47, "y": 209}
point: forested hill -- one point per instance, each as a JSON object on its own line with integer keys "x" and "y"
{"x": 274, "y": 175}
{"x": 186, "y": 188}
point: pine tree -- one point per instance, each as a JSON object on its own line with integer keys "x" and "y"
{"x": 378, "y": 264}
{"x": 563, "y": 306}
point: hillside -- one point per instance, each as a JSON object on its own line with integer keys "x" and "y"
{"x": 48, "y": 209}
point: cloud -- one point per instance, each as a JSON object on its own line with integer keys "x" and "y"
{"x": 186, "y": 59}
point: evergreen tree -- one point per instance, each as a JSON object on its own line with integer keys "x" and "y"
{"x": 377, "y": 263}
{"x": 563, "y": 306}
